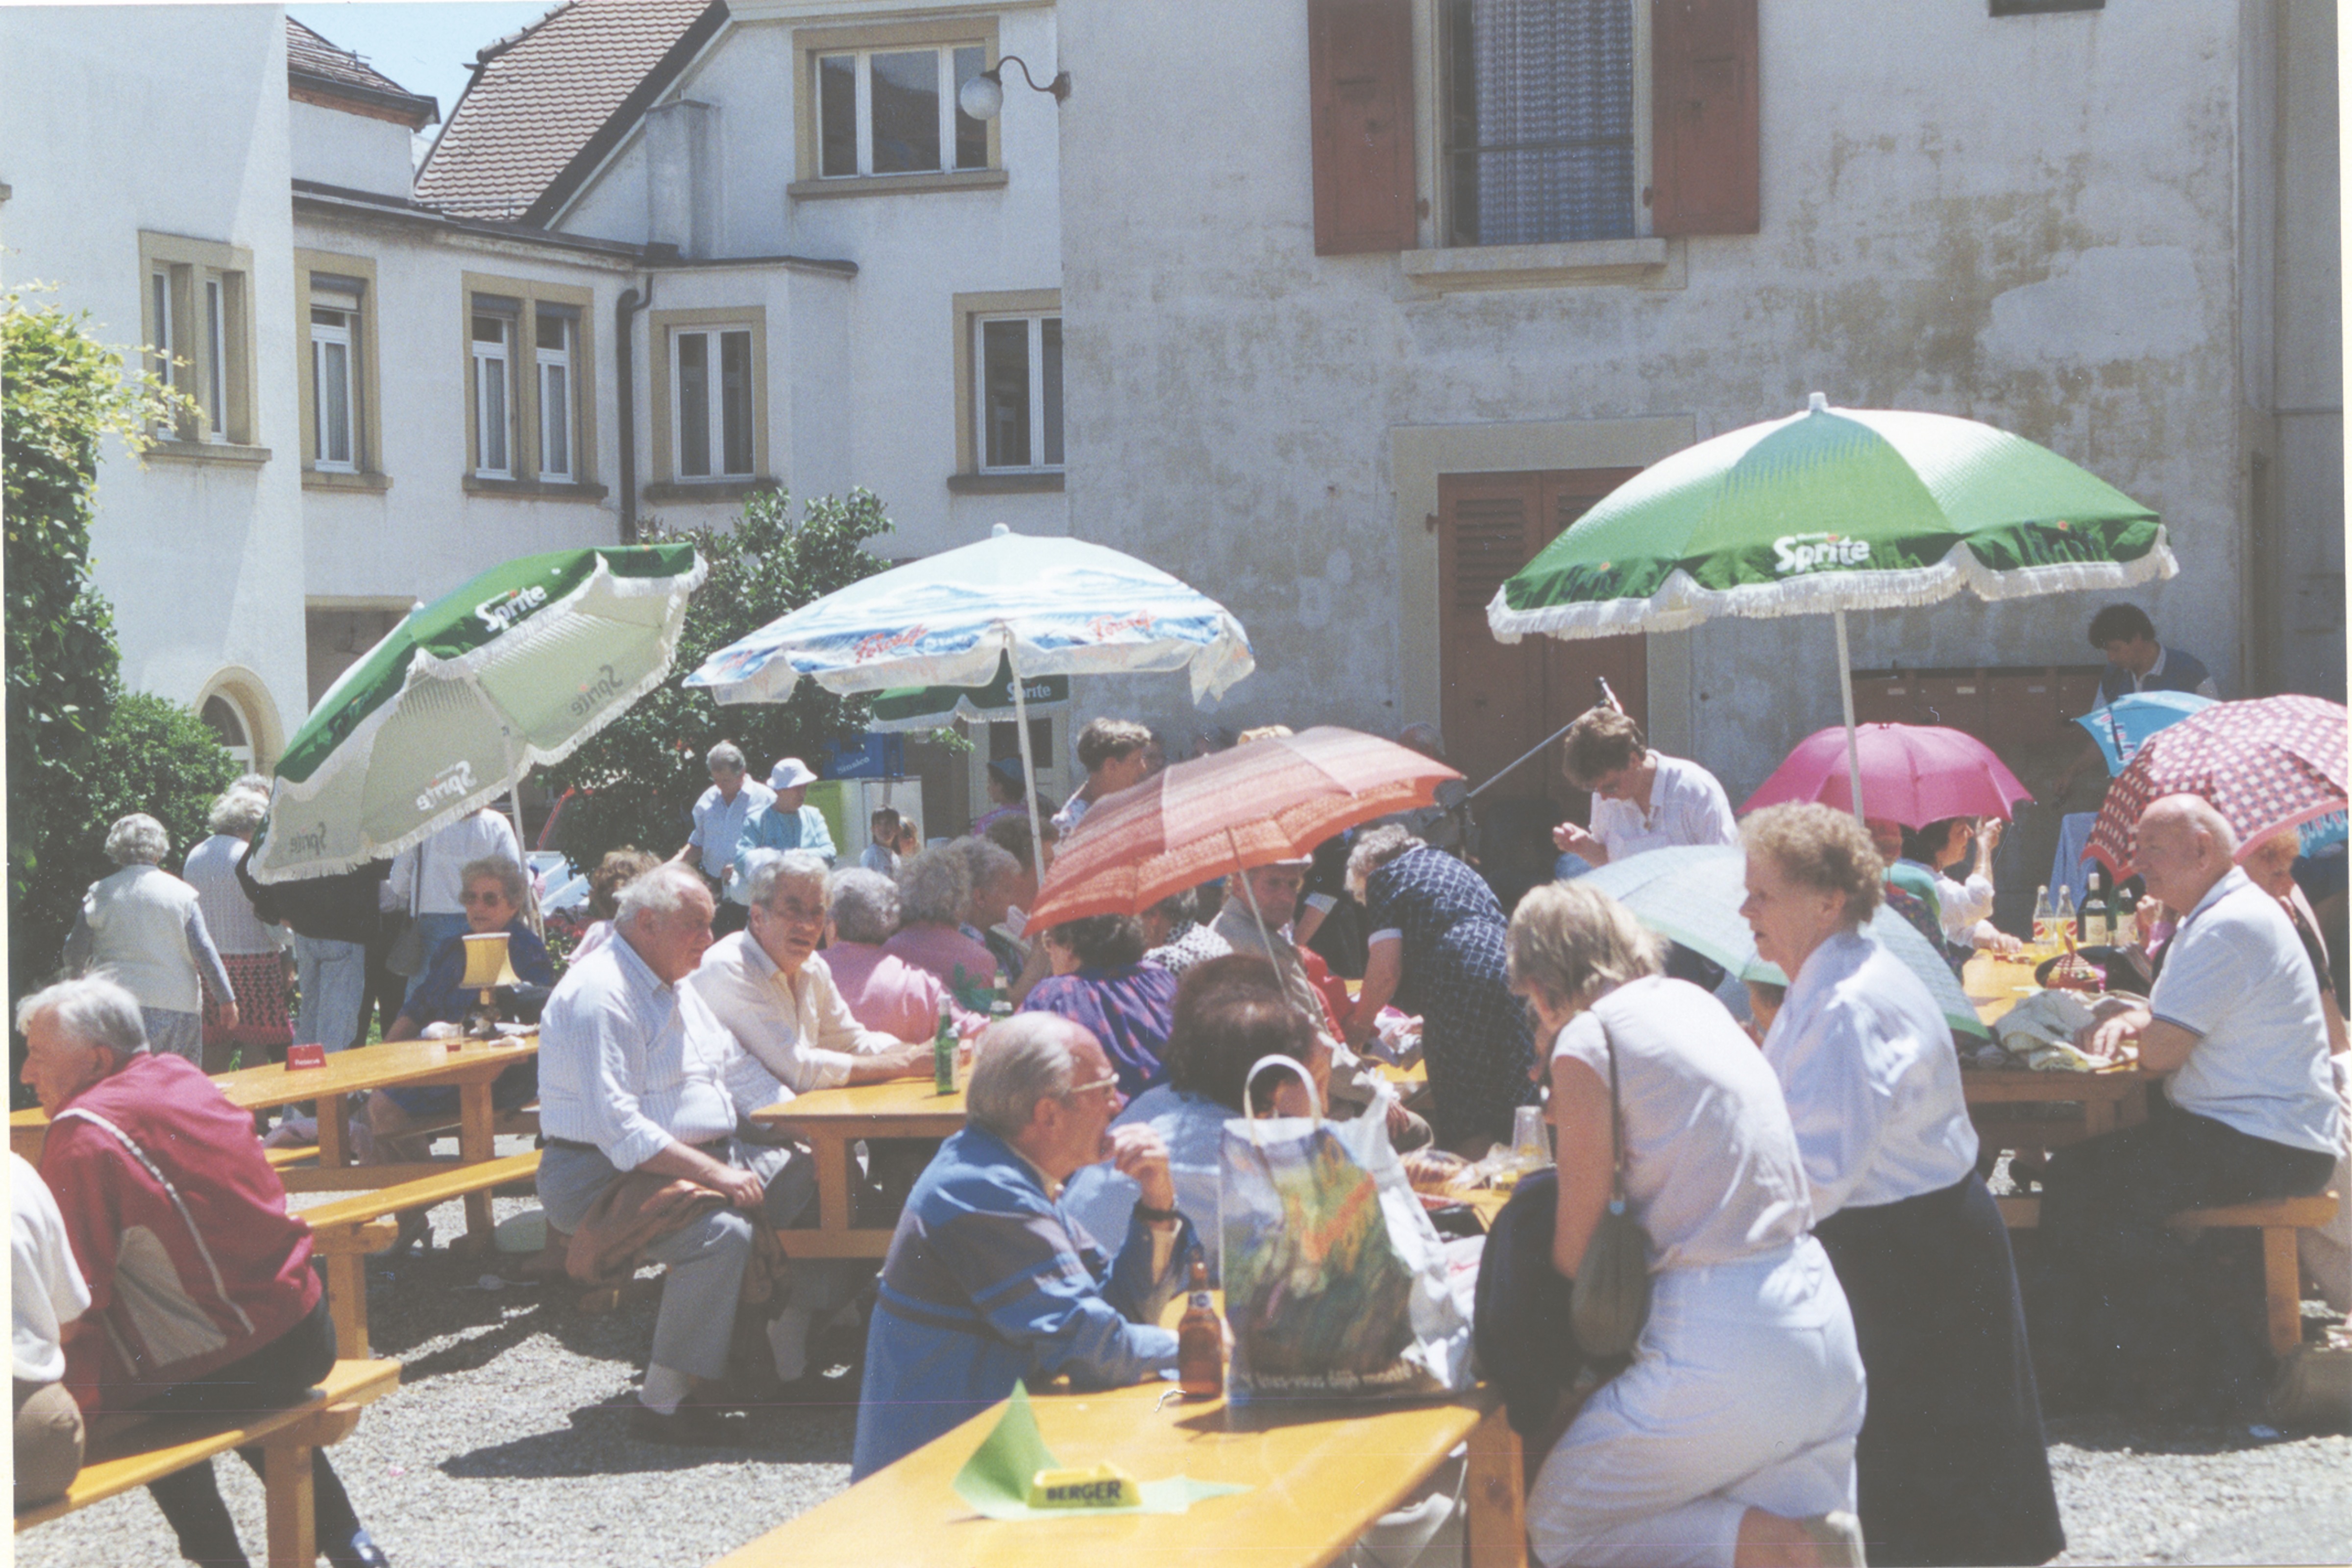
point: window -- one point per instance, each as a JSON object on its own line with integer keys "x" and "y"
{"x": 334, "y": 347}
{"x": 1538, "y": 120}
{"x": 894, "y": 111}
{"x": 200, "y": 330}
{"x": 710, "y": 403}
{"x": 530, "y": 385}
{"x": 1018, "y": 359}
{"x": 554, "y": 354}
{"x": 493, "y": 383}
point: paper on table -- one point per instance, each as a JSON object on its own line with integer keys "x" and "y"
{"x": 995, "y": 1479}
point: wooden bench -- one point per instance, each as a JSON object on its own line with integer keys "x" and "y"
{"x": 154, "y": 1449}
{"x": 2277, "y": 1219}
{"x": 345, "y": 1231}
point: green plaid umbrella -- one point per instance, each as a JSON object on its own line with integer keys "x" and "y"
{"x": 1830, "y": 510}
{"x": 450, "y": 710}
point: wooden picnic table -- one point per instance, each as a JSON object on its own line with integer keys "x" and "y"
{"x": 469, "y": 1066}
{"x": 2110, "y": 1098}
{"x": 834, "y": 1118}
{"x": 1319, "y": 1474}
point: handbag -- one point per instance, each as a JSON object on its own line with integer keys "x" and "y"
{"x": 407, "y": 956}
{"x": 1611, "y": 1298}
{"x": 1336, "y": 1281}
{"x": 1521, "y": 1319}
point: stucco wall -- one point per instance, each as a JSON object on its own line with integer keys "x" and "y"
{"x": 173, "y": 120}
{"x": 356, "y": 152}
{"x": 2026, "y": 221}
{"x": 872, "y": 394}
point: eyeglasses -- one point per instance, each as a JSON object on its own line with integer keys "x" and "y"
{"x": 489, "y": 896}
{"x": 1095, "y": 1088}
{"x": 797, "y": 915}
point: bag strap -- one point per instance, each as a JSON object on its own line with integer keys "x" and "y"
{"x": 1616, "y": 1130}
{"x": 1290, "y": 1064}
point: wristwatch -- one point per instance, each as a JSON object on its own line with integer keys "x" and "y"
{"x": 1156, "y": 1217}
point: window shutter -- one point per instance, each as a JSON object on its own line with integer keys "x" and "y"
{"x": 1359, "y": 70}
{"x": 1704, "y": 159}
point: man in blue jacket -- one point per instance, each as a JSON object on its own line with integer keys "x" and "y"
{"x": 989, "y": 1280}
{"x": 2136, "y": 662}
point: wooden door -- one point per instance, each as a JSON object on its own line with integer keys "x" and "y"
{"x": 1500, "y": 700}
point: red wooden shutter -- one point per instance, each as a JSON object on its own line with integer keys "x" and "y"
{"x": 1360, "y": 69}
{"x": 1703, "y": 161}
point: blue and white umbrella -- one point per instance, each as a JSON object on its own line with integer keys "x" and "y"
{"x": 2122, "y": 725}
{"x": 1051, "y": 605}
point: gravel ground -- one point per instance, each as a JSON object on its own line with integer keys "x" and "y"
{"x": 507, "y": 1447}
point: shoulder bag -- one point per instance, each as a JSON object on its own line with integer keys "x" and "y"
{"x": 1611, "y": 1298}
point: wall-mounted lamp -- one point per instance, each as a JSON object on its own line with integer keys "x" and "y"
{"x": 982, "y": 97}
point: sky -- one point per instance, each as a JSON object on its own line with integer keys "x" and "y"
{"x": 423, "y": 45}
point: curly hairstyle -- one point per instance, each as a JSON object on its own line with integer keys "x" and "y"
{"x": 1820, "y": 846}
{"x": 615, "y": 871}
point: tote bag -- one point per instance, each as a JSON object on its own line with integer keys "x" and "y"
{"x": 1335, "y": 1279}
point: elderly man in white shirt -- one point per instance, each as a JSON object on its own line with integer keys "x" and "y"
{"x": 720, "y": 817}
{"x": 637, "y": 1074}
{"x": 2249, "y": 1112}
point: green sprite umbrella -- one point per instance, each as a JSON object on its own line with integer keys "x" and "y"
{"x": 1830, "y": 510}
{"x": 459, "y": 701}
{"x": 904, "y": 707}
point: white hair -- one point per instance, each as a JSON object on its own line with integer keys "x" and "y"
{"x": 239, "y": 812}
{"x": 983, "y": 862}
{"x": 137, "y": 838}
{"x": 727, "y": 752}
{"x": 660, "y": 895}
{"x": 1376, "y": 848}
{"x": 934, "y": 887}
{"x": 92, "y": 1010}
{"x": 772, "y": 868}
{"x": 1018, "y": 1062}
{"x": 864, "y": 905}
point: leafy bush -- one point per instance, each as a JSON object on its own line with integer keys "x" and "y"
{"x": 637, "y": 780}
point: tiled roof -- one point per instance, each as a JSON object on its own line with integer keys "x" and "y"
{"x": 310, "y": 57}
{"x": 539, "y": 99}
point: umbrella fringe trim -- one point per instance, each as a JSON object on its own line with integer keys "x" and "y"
{"x": 1682, "y": 603}
{"x": 423, "y": 665}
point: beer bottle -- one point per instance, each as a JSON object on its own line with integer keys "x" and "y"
{"x": 1200, "y": 1339}
{"x": 943, "y": 1051}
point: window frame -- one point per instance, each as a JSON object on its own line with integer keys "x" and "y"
{"x": 1034, "y": 352}
{"x": 665, "y": 328}
{"x": 969, "y": 312}
{"x": 481, "y": 353}
{"x": 322, "y": 338}
{"x": 202, "y": 315}
{"x": 1433, "y": 73}
{"x": 328, "y": 273}
{"x": 521, "y": 302}
{"x": 944, "y": 35}
{"x": 557, "y": 360}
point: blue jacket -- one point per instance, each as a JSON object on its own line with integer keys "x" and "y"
{"x": 989, "y": 1280}
{"x": 2181, "y": 672}
{"x": 771, "y": 827}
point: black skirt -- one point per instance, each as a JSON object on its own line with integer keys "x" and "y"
{"x": 1951, "y": 1463}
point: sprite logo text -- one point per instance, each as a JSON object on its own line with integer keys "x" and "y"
{"x": 451, "y": 782}
{"x": 605, "y": 685}
{"x": 497, "y": 615}
{"x": 1801, "y": 552}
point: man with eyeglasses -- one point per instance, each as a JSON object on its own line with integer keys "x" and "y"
{"x": 720, "y": 817}
{"x": 989, "y": 1280}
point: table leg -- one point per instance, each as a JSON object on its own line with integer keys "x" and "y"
{"x": 833, "y": 1183}
{"x": 334, "y": 1149}
{"x": 1496, "y": 1485}
{"x": 476, "y": 1142}
{"x": 2098, "y": 1116}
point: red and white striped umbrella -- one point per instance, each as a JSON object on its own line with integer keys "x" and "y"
{"x": 2276, "y": 762}
{"x": 1263, "y": 801}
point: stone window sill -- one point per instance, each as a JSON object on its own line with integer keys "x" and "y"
{"x": 896, "y": 184}
{"x": 227, "y": 452}
{"x": 1005, "y": 484}
{"x": 709, "y": 490}
{"x": 1652, "y": 263}
{"x": 532, "y": 490}
{"x": 331, "y": 480}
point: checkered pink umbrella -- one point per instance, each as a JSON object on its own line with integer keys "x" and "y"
{"x": 2277, "y": 762}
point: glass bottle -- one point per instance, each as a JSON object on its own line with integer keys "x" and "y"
{"x": 1199, "y": 1338}
{"x": 943, "y": 1051}
{"x": 2061, "y": 921}
{"x": 2096, "y": 926}
{"x": 2045, "y": 934}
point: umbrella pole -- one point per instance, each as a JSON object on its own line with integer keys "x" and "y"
{"x": 1249, "y": 896}
{"x": 514, "y": 804}
{"x": 1028, "y": 765}
{"x": 1845, "y": 694}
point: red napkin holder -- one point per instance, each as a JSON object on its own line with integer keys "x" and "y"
{"x": 313, "y": 1055}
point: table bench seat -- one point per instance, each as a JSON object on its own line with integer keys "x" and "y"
{"x": 345, "y": 1231}
{"x": 154, "y": 1449}
{"x": 2277, "y": 1219}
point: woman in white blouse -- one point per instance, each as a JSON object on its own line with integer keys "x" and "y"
{"x": 1966, "y": 905}
{"x": 1731, "y": 1438}
{"x": 1951, "y": 1460}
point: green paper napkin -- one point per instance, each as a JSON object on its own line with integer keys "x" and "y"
{"x": 995, "y": 1479}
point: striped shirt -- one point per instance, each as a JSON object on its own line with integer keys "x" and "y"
{"x": 630, "y": 1065}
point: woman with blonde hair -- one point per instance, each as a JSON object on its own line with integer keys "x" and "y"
{"x": 1951, "y": 1462}
{"x": 1730, "y": 1439}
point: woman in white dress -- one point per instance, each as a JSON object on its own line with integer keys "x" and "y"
{"x": 1730, "y": 1440}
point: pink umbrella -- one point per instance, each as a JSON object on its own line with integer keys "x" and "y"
{"x": 2273, "y": 762}
{"x": 1911, "y": 773}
